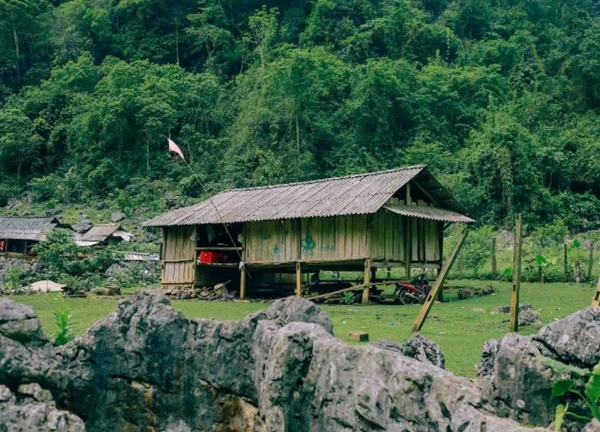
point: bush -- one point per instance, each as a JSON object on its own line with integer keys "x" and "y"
{"x": 62, "y": 319}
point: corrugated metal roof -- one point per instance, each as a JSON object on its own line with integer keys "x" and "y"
{"x": 26, "y": 228}
{"x": 99, "y": 233}
{"x": 140, "y": 256}
{"x": 432, "y": 213}
{"x": 356, "y": 194}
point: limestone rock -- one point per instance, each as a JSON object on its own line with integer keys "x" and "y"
{"x": 593, "y": 426}
{"x": 32, "y": 409}
{"x": 84, "y": 226}
{"x": 417, "y": 347}
{"x": 117, "y": 216}
{"x": 19, "y": 322}
{"x": 529, "y": 317}
{"x": 574, "y": 339}
{"x": 147, "y": 367}
{"x": 517, "y": 384}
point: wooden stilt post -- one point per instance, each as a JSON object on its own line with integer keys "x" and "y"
{"x": 596, "y": 299}
{"x": 438, "y": 283}
{"x": 298, "y": 279}
{"x": 367, "y": 281}
{"x": 590, "y": 261}
{"x": 243, "y": 282}
{"x": 408, "y": 235}
{"x": 494, "y": 264}
{"x": 514, "y": 302}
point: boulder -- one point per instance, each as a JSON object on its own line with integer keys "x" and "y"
{"x": 147, "y": 367}
{"x": 417, "y": 347}
{"x": 20, "y": 323}
{"x": 84, "y": 226}
{"x": 32, "y": 409}
{"x": 463, "y": 294}
{"x": 505, "y": 309}
{"x": 529, "y": 317}
{"x": 517, "y": 384}
{"x": 117, "y": 216}
{"x": 488, "y": 290}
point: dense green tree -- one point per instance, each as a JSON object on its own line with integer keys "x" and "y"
{"x": 499, "y": 97}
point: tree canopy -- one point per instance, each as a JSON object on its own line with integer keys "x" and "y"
{"x": 499, "y": 97}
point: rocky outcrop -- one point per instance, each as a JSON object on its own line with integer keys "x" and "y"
{"x": 417, "y": 347}
{"x": 32, "y": 409}
{"x": 518, "y": 384}
{"x": 147, "y": 367}
{"x": 8, "y": 264}
{"x": 20, "y": 323}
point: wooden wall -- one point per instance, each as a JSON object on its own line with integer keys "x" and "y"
{"x": 178, "y": 255}
{"x": 321, "y": 239}
{"x": 271, "y": 241}
{"x": 387, "y": 237}
{"x": 388, "y": 241}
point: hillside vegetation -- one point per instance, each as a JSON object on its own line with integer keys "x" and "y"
{"x": 499, "y": 97}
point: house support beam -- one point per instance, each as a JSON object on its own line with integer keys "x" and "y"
{"x": 242, "y": 282}
{"x": 298, "y": 279}
{"x": 438, "y": 283}
{"x": 367, "y": 281}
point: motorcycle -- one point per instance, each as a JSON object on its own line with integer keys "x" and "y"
{"x": 414, "y": 292}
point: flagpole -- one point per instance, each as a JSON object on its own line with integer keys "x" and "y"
{"x": 211, "y": 201}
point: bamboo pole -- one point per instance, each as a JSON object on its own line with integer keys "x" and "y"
{"x": 438, "y": 283}
{"x": 514, "y": 303}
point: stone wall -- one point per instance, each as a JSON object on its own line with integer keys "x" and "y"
{"x": 147, "y": 367}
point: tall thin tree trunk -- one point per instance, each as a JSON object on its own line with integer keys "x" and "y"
{"x": 18, "y": 54}
{"x": 177, "y": 43}
{"x": 297, "y": 134}
{"x": 148, "y": 159}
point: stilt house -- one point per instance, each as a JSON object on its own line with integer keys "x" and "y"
{"x": 19, "y": 234}
{"x": 362, "y": 222}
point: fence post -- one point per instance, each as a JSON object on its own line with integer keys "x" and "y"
{"x": 494, "y": 266}
{"x": 591, "y": 261}
{"x": 566, "y": 260}
{"x": 514, "y": 303}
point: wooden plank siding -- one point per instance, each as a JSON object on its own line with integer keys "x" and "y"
{"x": 178, "y": 256}
{"x": 271, "y": 241}
{"x": 337, "y": 238}
{"x": 388, "y": 238}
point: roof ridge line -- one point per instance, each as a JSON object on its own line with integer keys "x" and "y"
{"x": 323, "y": 179}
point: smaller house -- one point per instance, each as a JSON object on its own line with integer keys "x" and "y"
{"x": 19, "y": 234}
{"x": 103, "y": 234}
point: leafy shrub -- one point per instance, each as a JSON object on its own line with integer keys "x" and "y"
{"x": 582, "y": 384}
{"x": 349, "y": 298}
{"x": 62, "y": 319}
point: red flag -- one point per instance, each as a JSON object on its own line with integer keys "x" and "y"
{"x": 175, "y": 148}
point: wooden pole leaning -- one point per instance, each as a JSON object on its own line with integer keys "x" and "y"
{"x": 516, "y": 285}
{"x": 596, "y": 299}
{"x": 438, "y": 283}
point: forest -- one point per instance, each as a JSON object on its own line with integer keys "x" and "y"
{"x": 499, "y": 97}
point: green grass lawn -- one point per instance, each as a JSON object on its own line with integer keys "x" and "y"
{"x": 460, "y": 327}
